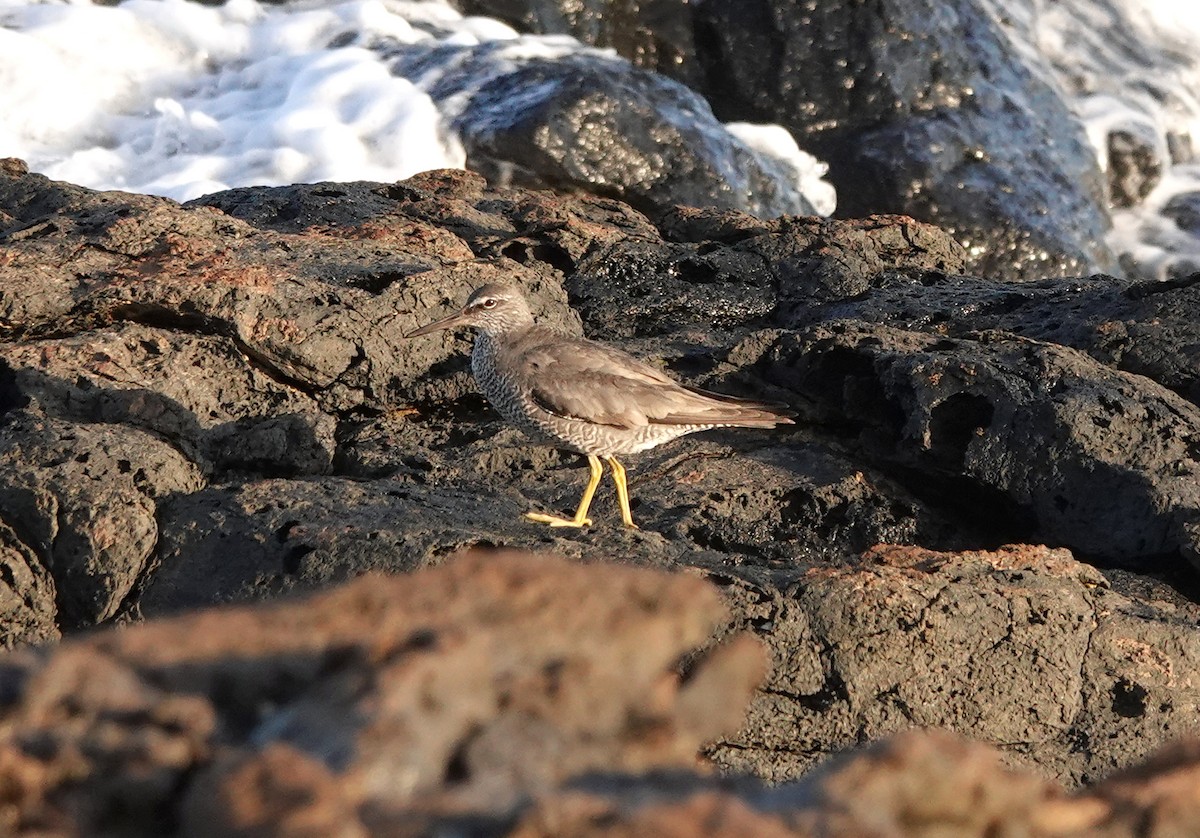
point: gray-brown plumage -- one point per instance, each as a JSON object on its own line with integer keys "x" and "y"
{"x": 583, "y": 395}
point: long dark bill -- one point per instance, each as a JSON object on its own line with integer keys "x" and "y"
{"x": 438, "y": 325}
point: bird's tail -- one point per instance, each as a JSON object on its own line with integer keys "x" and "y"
{"x": 710, "y": 408}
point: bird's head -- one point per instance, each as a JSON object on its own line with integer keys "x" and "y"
{"x": 492, "y": 309}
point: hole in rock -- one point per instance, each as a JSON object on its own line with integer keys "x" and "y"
{"x": 953, "y": 423}
{"x": 1128, "y": 699}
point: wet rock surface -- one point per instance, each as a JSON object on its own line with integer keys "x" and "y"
{"x": 214, "y": 404}
{"x": 907, "y": 122}
{"x": 1184, "y": 210}
{"x": 1134, "y": 167}
{"x": 653, "y": 34}
{"x": 593, "y": 122}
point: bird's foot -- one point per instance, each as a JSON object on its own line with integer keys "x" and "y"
{"x": 555, "y": 521}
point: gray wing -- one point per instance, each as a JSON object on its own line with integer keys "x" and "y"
{"x": 599, "y": 384}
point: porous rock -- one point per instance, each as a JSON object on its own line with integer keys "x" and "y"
{"x": 27, "y": 607}
{"x": 200, "y": 392}
{"x": 1141, "y": 327}
{"x": 1023, "y": 647}
{"x": 524, "y": 696}
{"x": 82, "y": 499}
{"x": 1115, "y": 472}
{"x": 724, "y": 270}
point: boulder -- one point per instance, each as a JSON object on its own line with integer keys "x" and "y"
{"x": 1087, "y": 456}
{"x": 1023, "y": 647}
{"x": 592, "y": 122}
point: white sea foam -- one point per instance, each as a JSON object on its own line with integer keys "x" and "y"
{"x": 775, "y": 141}
{"x": 174, "y": 98}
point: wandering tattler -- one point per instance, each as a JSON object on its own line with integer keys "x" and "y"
{"x": 583, "y": 395}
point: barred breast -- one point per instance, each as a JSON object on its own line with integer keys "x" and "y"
{"x": 503, "y": 388}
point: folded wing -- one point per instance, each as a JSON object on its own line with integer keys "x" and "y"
{"x": 602, "y": 385}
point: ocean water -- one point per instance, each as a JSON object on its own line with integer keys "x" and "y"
{"x": 173, "y": 98}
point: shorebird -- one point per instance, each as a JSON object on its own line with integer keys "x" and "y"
{"x": 585, "y": 396}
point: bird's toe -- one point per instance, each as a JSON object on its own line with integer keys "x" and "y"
{"x": 556, "y": 521}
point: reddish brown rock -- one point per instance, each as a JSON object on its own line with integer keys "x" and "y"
{"x": 511, "y": 695}
{"x": 712, "y": 814}
{"x": 923, "y": 784}
{"x": 449, "y": 691}
{"x": 1159, "y": 797}
{"x": 89, "y": 746}
{"x": 278, "y": 791}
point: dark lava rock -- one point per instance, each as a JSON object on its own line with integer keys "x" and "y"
{"x": 919, "y": 108}
{"x": 1105, "y": 462}
{"x": 214, "y": 402}
{"x": 267, "y": 537}
{"x": 1179, "y": 147}
{"x": 1184, "y": 210}
{"x": 653, "y": 34}
{"x": 1148, "y": 328}
{"x": 27, "y": 607}
{"x": 592, "y": 122}
{"x": 233, "y": 416}
{"x": 804, "y": 504}
{"x": 765, "y": 273}
{"x": 83, "y": 499}
{"x": 705, "y": 502}
{"x": 1022, "y": 646}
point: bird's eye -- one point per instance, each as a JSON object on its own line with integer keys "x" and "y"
{"x": 489, "y": 303}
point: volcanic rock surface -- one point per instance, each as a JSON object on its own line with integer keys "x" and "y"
{"x": 213, "y": 403}
{"x": 453, "y": 690}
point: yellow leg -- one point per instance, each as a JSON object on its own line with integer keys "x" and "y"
{"x": 581, "y": 519}
{"x": 618, "y": 472}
